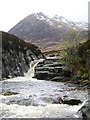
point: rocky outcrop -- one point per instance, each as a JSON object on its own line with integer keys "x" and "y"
{"x": 52, "y": 69}
{"x": 17, "y": 55}
{"x": 85, "y": 111}
{"x": 67, "y": 100}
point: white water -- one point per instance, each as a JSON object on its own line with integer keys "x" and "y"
{"x": 33, "y": 64}
{"x": 36, "y": 97}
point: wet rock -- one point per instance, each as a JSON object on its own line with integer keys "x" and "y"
{"x": 59, "y": 79}
{"x": 53, "y": 72}
{"x": 41, "y": 75}
{"x": 26, "y": 102}
{"x": 48, "y": 99}
{"x": 17, "y": 55}
{"x": 56, "y": 64}
{"x": 44, "y": 75}
{"x": 8, "y": 93}
{"x": 49, "y": 69}
{"x": 69, "y": 101}
{"x": 85, "y": 111}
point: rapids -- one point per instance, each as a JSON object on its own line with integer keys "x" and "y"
{"x": 38, "y": 98}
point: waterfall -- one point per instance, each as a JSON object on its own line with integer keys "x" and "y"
{"x": 32, "y": 65}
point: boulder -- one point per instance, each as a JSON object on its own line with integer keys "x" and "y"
{"x": 84, "y": 111}
{"x": 69, "y": 101}
{"x": 44, "y": 75}
{"x": 66, "y": 73}
{"x": 41, "y": 75}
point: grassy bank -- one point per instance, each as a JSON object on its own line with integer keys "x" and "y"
{"x": 77, "y": 59}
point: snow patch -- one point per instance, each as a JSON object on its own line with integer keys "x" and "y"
{"x": 74, "y": 28}
{"x": 64, "y": 20}
{"x": 58, "y": 20}
{"x": 82, "y": 25}
{"x": 85, "y": 28}
{"x": 42, "y": 18}
{"x": 59, "y": 26}
{"x": 37, "y": 16}
{"x": 72, "y": 24}
{"x": 50, "y": 23}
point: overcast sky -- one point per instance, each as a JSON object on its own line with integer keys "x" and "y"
{"x": 12, "y": 11}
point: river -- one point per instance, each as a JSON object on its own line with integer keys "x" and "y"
{"x": 38, "y": 98}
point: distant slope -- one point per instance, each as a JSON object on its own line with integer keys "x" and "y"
{"x": 45, "y": 31}
{"x": 17, "y": 55}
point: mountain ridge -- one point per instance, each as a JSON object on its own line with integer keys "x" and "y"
{"x": 45, "y": 31}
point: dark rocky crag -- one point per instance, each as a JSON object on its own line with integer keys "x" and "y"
{"x": 17, "y": 55}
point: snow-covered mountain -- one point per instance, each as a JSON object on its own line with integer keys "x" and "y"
{"x": 42, "y": 30}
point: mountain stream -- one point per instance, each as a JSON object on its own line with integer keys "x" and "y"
{"x": 38, "y": 98}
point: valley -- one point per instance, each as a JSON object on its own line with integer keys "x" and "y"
{"x": 48, "y": 32}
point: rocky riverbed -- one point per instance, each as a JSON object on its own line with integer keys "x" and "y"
{"x": 27, "y": 97}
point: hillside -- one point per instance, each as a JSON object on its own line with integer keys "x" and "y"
{"x": 77, "y": 59}
{"x": 44, "y": 31}
{"x": 17, "y": 55}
